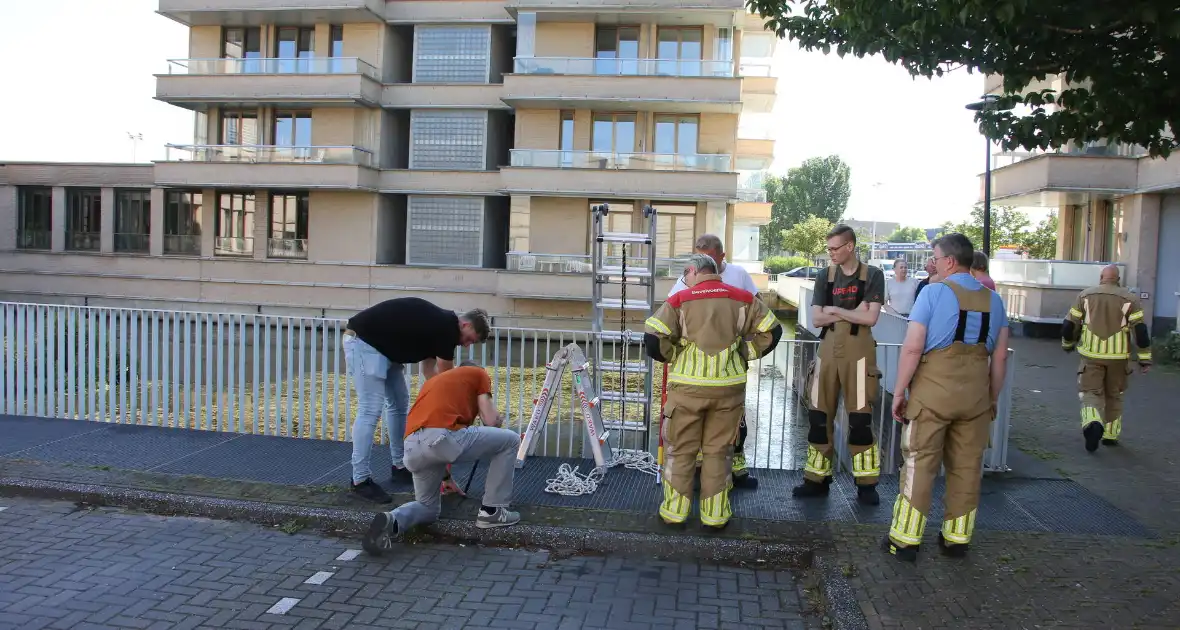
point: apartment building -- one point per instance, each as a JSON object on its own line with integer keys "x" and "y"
{"x": 1114, "y": 204}
{"x": 350, "y": 151}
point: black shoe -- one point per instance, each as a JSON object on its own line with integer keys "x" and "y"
{"x": 745, "y": 480}
{"x": 371, "y": 491}
{"x": 907, "y": 554}
{"x": 713, "y": 529}
{"x": 1109, "y": 442}
{"x": 951, "y": 550}
{"x": 868, "y": 495}
{"x": 809, "y": 489}
{"x": 400, "y": 475}
{"x": 1093, "y": 433}
{"x": 379, "y": 536}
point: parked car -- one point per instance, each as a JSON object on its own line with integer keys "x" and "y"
{"x": 803, "y": 272}
{"x": 921, "y": 274}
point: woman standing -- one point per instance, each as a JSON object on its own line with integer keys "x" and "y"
{"x": 900, "y": 290}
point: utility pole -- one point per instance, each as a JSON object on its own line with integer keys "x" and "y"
{"x": 135, "y": 138}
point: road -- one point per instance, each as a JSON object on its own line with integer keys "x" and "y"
{"x": 78, "y": 567}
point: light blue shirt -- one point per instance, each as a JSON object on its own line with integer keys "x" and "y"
{"x": 937, "y": 308}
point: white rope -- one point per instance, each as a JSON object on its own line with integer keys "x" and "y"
{"x": 571, "y": 483}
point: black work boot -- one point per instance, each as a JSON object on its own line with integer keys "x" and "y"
{"x": 951, "y": 550}
{"x": 1109, "y": 442}
{"x": 369, "y": 490}
{"x": 741, "y": 475}
{"x": 811, "y": 489}
{"x": 400, "y": 474}
{"x": 868, "y": 494}
{"x": 906, "y": 554}
{"x": 1093, "y": 433}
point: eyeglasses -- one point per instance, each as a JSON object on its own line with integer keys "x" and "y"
{"x": 833, "y": 250}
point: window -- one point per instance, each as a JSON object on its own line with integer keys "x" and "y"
{"x": 445, "y": 231}
{"x": 83, "y": 219}
{"x": 234, "y": 229}
{"x": 679, "y": 51}
{"x": 336, "y": 49}
{"x": 133, "y": 216}
{"x": 613, "y": 133}
{"x": 448, "y": 139}
{"x": 722, "y": 66}
{"x": 182, "y": 223}
{"x": 34, "y": 217}
{"x": 288, "y": 225}
{"x": 676, "y": 141}
{"x": 675, "y": 230}
{"x": 617, "y": 50}
{"x": 294, "y": 47}
{"x": 619, "y": 219}
{"x": 293, "y": 129}
{"x": 452, "y": 54}
{"x": 239, "y": 127}
{"x": 242, "y": 49}
{"x": 566, "y": 139}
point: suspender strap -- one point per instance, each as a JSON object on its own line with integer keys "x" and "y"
{"x": 961, "y": 329}
{"x": 985, "y": 325}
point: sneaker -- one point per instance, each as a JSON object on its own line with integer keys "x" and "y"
{"x": 500, "y": 518}
{"x": 868, "y": 495}
{"x": 371, "y": 491}
{"x": 809, "y": 489}
{"x": 398, "y": 474}
{"x": 1093, "y": 433}
{"x": 381, "y": 535}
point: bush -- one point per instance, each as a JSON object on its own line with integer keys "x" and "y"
{"x": 1166, "y": 351}
{"x": 782, "y": 264}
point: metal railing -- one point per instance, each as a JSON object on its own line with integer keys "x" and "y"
{"x": 624, "y": 67}
{"x": 275, "y": 65}
{"x": 1096, "y": 148}
{"x": 83, "y": 241}
{"x": 576, "y": 263}
{"x": 755, "y": 195}
{"x": 555, "y": 158}
{"x": 267, "y": 154}
{"x": 286, "y": 376}
{"x": 185, "y": 244}
{"x": 34, "y": 239}
{"x": 233, "y": 246}
{"x": 132, "y": 243}
{"x": 747, "y": 69}
{"x": 286, "y": 248}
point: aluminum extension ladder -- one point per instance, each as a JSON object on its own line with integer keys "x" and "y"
{"x": 572, "y": 357}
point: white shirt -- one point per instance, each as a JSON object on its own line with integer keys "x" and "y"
{"x": 900, "y": 294}
{"x": 733, "y": 275}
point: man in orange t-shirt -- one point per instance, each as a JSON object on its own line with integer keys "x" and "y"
{"x": 439, "y": 432}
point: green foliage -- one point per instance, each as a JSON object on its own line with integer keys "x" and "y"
{"x": 783, "y": 264}
{"x": 1115, "y": 57}
{"x": 819, "y": 187}
{"x": 809, "y": 237}
{"x": 1010, "y": 227}
{"x": 1042, "y": 242}
{"x": 908, "y": 235}
{"x": 1167, "y": 350}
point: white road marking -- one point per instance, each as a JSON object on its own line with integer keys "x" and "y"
{"x": 319, "y": 578}
{"x": 351, "y": 554}
{"x": 2, "y": 508}
{"x": 285, "y": 604}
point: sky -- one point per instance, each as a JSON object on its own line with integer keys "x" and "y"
{"x": 76, "y": 90}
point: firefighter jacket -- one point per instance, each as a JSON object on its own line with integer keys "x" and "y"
{"x": 709, "y": 332}
{"x": 1103, "y": 324}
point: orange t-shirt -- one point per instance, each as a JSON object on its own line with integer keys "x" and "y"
{"x": 449, "y": 400}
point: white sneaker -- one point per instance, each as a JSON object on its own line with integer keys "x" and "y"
{"x": 500, "y": 518}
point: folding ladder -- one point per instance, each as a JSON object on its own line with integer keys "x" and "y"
{"x": 572, "y": 357}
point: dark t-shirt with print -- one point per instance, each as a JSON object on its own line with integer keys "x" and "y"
{"x": 408, "y": 330}
{"x": 845, "y": 295}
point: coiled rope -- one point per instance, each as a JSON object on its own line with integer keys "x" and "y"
{"x": 571, "y": 483}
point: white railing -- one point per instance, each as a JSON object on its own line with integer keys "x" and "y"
{"x": 755, "y": 195}
{"x": 755, "y": 69}
{"x": 1099, "y": 148}
{"x": 556, "y": 158}
{"x": 308, "y": 65}
{"x": 233, "y": 246}
{"x": 267, "y": 154}
{"x": 624, "y": 67}
{"x": 575, "y": 263}
{"x": 286, "y": 376}
{"x": 1050, "y": 273}
{"x": 287, "y": 248}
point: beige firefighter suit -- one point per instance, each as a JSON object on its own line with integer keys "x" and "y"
{"x": 707, "y": 334}
{"x": 1102, "y": 325}
{"x": 950, "y": 414}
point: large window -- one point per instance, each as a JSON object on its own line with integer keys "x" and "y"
{"x": 242, "y": 49}
{"x": 445, "y": 231}
{"x": 288, "y": 225}
{"x": 239, "y": 127}
{"x": 293, "y": 129}
{"x": 294, "y": 46}
{"x": 34, "y": 217}
{"x": 679, "y": 51}
{"x": 336, "y": 48}
{"x": 83, "y": 219}
{"x": 448, "y": 139}
{"x": 613, "y": 133}
{"x": 677, "y": 133}
{"x": 675, "y": 230}
{"x": 616, "y": 50}
{"x": 566, "y": 139}
{"x": 452, "y": 54}
{"x": 182, "y": 223}
{"x": 234, "y": 227}
{"x": 133, "y": 216}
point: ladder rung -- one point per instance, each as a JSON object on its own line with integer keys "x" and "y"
{"x": 614, "y": 335}
{"x": 628, "y": 366}
{"x": 624, "y": 237}
{"x": 619, "y": 397}
{"x": 632, "y": 272}
{"x": 626, "y": 425}
{"x": 630, "y": 305}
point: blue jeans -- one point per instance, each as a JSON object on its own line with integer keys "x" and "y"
{"x": 381, "y": 390}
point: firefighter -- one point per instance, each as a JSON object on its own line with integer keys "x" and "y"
{"x": 735, "y": 276}
{"x": 707, "y": 334}
{"x": 952, "y": 361}
{"x": 847, "y": 302}
{"x": 1100, "y": 326}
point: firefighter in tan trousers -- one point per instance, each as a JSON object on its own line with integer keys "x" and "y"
{"x": 846, "y": 304}
{"x": 1102, "y": 325}
{"x": 708, "y": 334}
{"x": 953, "y": 362}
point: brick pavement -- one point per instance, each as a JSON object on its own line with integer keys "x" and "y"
{"x": 64, "y": 566}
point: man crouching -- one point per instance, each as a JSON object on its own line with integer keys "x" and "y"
{"x": 438, "y": 433}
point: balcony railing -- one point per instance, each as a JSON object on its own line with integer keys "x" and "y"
{"x": 752, "y": 195}
{"x": 233, "y": 246}
{"x": 754, "y": 70}
{"x": 576, "y": 263}
{"x": 286, "y": 248}
{"x": 1050, "y": 273}
{"x": 83, "y": 241}
{"x": 624, "y": 67}
{"x": 33, "y": 239}
{"x": 548, "y": 158}
{"x": 264, "y": 154}
{"x": 1099, "y": 148}
{"x": 132, "y": 242}
{"x": 313, "y": 65}
{"x": 182, "y": 244}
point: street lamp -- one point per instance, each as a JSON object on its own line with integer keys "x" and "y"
{"x": 988, "y": 102}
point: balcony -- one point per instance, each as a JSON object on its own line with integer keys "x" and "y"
{"x": 314, "y": 82}
{"x": 715, "y": 12}
{"x": 287, "y": 12}
{"x": 576, "y": 263}
{"x": 637, "y": 175}
{"x": 329, "y": 167}
{"x": 666, "y": 85}
{"x": 754, "y": 154}
{"x": 182, "y": 244}
{"x": 562, "y": 277}
{"x": 1042, "y": 291}
{"x": 759, "y": 87}
{"x": 290, "y": 248}
{"x": 1056, "y": 177}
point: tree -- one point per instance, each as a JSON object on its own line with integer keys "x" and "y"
{"x": 908, "y": 235}
{"x": 1042, "y": 242}
{"x": 1008, "y": 226}
{"x": 1117, "y": 58}
{"x": 809, "y": 237}
{"x": 818, "y": 187}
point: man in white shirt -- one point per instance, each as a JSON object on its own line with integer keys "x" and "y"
{"x": 734, "y": 276}
{"x": 901, "y": 290}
